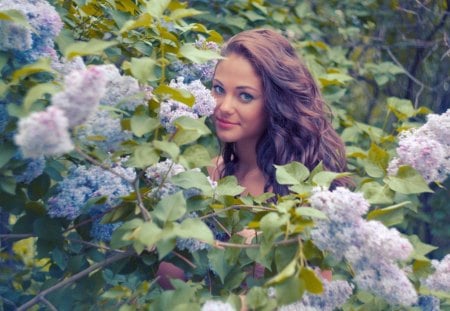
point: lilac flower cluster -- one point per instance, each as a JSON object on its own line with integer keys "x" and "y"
{"x": 30, "y": 43}
{"x": 84, "y": 183}
{"x": 371, "y": 249}
{"x": 426, "y": 149}
{"x": 440, "y": 279}
{"x": 3, "y": 117}
{"x": 33, "y": 169}
{"x": 429, "y": 303}
{"x": 80, "y": 97}
{"x": 159, "y": 174}
{"x": 204, "y": 71}
{"x": 217, "y": 305}
{"x": 122, "y": 92}
{"x": 204, "y": 104}
{"x": 65, "y": 67}
{"x": 33, "y": 133}
{"x": 83, "y": 90}
{"x": 334, "y": 295}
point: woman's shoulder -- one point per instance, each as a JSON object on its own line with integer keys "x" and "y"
{"x": 215, "y": 168}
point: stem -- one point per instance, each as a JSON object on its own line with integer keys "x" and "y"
{"x": 49, "y": 305}
{"x": 16, "y": 236}
{"x": 73, "y": 279}
{"x": 190, "y": 263}
{"x": 145, "y": 214}
{"x": 96, "y": 245}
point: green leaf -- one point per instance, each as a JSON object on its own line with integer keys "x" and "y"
{"x": 189, "y": 130}
{"x": 142, "y": 68}
{"x": 42, "y": 65}
{"x": 183, "y": 13}
{"x": 196, "y": 55}
{"x": 407, "y": 181}
{"x": 91, "y": 47}
{"x": 271, "y": 224}
{"x": 420, "y": 248}
{"x": 389, "y": 216}
{"x": 171, "y": 207}
{"x": 47, "y": 229}
{"x": 193, "y": 179}
{"x": 334, "y": 79}
{"x": 143, "y": 156}
{"x": 312, "y": 282}
{"x": 60, "y": 258}
{"x": 402, "y": 108}
{"x": 292, "y": 173}
{"x": 168, "y": 147}
{"x": 325, "y": 178}
{"x": 7, "y": 151}
{"x": 144, "y": 20}
{"x": 37, "y": 92}
{"x": 196, "y": 229}
{"x": 38, "y": 188}
{"x": 229, "y": 186}
{"x": 15, "y": 16}
{"x": 180, "y": 95}
{"x": 156, "y": 8}
{"x": 301, "y": 188}
{"x": 142, "y": 124}
{"x": 256, "y": 298}
{"x": 195, "y": 156}
{"x": 149, "y": 234}
{"x": 310, "y": 212}
{"x": 287, "y": 272}
{"x": 218, "y": 263}
{"x": 375, "y": 193}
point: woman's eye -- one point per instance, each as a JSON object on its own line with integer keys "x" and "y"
{"x": 217, "y": 89}
{"x": 246, "y": 97}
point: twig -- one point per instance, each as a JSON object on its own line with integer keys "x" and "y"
{"x": 145, "y": 214}
{"x": 96, "y": 245}
{"x": 190, "y": 263}
{"x": 16, "y": 235}
{"x": 73, "y": 279}
{"x": 49, "y": 305}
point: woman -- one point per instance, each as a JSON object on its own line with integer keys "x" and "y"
{"x": 269, "y": 112}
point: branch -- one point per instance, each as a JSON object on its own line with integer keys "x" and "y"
{"x": 16, "y": 236}
{"x": 145, "y": 214}
{"x": 73, "y": 279}
{"x": 221, "y": 244}
{"x": 96, "y": 245}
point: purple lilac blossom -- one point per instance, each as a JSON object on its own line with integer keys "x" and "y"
{"x": 33, "y": 169}
{"x": 29, "y": 44}
{"x": 104, "y": 130}
{"x": 204, "y": 71}
{"x": 426, "y": 149}
{"x": 204, "y": 104}
{"x": 429, "y": 303}
{"x": 33, "y": 134}
{"x": 159, "y": 174}
{"x": 334, "y": 295}
{"x": 217, "y": 305}
{"x": 3, "y": 117}
{"x": 83, "y": 90}
{"x": 370, "y": 248}
{"x": 440, "y": 279}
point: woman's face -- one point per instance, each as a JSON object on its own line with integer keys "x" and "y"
{"x": 239, "y": 115}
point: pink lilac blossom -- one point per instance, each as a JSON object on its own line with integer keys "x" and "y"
{"x": 370, "y": 248}
{"x": 217, "y": 305}
{"x": 334, "y": 295}
{"x": 83, "y": 90}
{"x": 28, "y": 44}
{"x": 426, "y": 149}
{"x": 44, "y": 133}
{"x": 440, "y": 279}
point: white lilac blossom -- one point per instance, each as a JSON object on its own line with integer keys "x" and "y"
{"x": 104, "y": 130}
{"x": 65, "y": 67}
{"x": 30, "y": 43}
{"x": 81, "y": 96}
{"x": 159, "y": 174}
{"x": 83, "y": 183}
{"x": 44, "y": 133}
{"x": 426, "y": 149}
{"x": 122, "y": 91}
{"x": 334, "y": 295}
{"x": 203, "y": 71}
{"x": 204, "y": 104}
{"x": 372, "y": 250}
{"x": 440, "y": 279}
{"x": 33, "y": 169}
{"x": 217, "y": 305}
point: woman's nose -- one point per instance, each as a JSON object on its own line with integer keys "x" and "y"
{"x": 225, "y": 104}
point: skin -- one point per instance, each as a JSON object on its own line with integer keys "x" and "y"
{"x": 240, "y": 117}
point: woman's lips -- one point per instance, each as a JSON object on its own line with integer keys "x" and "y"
{"x": 224, "y": 124}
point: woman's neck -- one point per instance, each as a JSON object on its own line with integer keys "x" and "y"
{"x": 247, "y": 171}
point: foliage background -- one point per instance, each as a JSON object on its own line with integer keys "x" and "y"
{"x": 382, "y": 65}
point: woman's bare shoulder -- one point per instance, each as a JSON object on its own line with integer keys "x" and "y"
{"x": 215, "y": 168}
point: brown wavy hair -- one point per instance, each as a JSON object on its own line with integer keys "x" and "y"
{"x": 299, "y": 127}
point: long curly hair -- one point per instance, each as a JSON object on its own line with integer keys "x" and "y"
{"x": 299, "y": 127}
